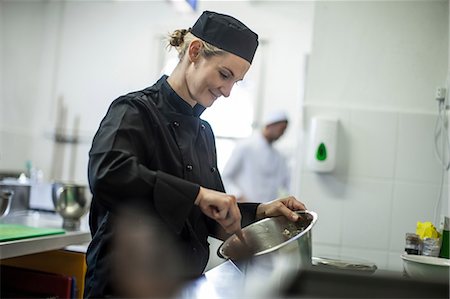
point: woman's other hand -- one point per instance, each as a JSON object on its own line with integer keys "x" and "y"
{"x": 282, "y": 206}
{"x": 221, "y": 207}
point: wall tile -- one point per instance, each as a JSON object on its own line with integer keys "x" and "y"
{"x": 395, "y": 262}
{"x": 412, "y": 202}
{"x": 318, "y": 196}
{"x": 415, "y": 155}
{"x": 15, "y": 149}
{"x": 366, "y": 217}
{"x": 379, "y": 258}
{"x": 372, "y": 143}
{"x": 445, "y": 199}
{"x": 325, "y": 250}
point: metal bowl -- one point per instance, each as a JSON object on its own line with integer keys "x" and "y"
{"x": 270, "y": 236}
{"x": 71, "y": 201}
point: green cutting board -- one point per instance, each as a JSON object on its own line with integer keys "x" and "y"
{"x": 10, "y": 232}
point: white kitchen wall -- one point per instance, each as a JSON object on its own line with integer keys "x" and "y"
{"x": 375, "y": 66}
{"x": 87, "y": 53}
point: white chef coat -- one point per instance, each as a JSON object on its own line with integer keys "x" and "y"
{"x": 256, "y": 170}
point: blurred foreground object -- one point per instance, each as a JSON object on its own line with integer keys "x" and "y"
{"x": 147, "y": 263}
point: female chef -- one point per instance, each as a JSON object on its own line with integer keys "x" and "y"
{"x": 153, "y": 152}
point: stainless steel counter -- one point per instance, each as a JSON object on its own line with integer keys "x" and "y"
{"x": 229, "y": 280}
{"x": 222, "y": 281}
{"x": 26, "y": 246}
{"x": 281, "y": 281}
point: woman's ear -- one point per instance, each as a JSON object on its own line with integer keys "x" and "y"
{"x": 194, "y": 50}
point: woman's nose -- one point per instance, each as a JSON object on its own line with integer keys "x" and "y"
{"x": 226, "y": 89}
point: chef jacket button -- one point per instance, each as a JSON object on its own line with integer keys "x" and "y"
{"x": 202, "y": 126}
{"x": 189, "y": 167}
{"x": 176, "y": 124}
{"x": 213, "y": 169}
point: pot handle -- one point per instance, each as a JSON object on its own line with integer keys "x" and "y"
{"x": 220, "y": 254}
{"x": 7, "y": 193}
{"x": 6, "y": 196}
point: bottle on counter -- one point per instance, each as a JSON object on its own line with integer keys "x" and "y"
{"x": 445, "y": 238}
{"x": 413, "y": 244}
{"x": 431, "y": 247}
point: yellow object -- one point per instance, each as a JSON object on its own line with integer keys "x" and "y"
{"x": 59, "y": 261}
{"x": 427, "y": 230}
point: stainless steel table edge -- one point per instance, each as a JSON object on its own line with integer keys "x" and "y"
{"x": 27, "y": 246}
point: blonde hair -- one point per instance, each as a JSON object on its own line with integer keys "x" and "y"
{"x": 181, "y": 38}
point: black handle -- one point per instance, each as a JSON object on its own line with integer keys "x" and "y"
{"x": 220, "y": 254}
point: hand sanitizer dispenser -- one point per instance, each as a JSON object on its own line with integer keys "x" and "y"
{"x": 322, "y": 144}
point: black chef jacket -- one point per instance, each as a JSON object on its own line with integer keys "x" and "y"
{"x": 152, "y": 150}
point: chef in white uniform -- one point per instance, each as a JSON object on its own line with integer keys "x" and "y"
{"x": 256, "y": 170}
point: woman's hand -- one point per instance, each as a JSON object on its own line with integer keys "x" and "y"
{"x": 282, "y": 206}
{"x": 221, "y": 207}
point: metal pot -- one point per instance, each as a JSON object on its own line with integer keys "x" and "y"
{"x": 269, "y": 238}
{"x": 5, "y": 201}
{"x": 20, "y": 199}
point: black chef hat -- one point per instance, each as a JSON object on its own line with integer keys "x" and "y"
{"x": 226, "y": 33}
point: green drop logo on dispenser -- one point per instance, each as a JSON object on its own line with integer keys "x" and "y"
{"x": 321, "y": 153}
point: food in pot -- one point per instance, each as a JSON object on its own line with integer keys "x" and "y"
{"x": 292, "y": 230}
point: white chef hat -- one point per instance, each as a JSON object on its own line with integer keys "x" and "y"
{"x": 274, "y": 117}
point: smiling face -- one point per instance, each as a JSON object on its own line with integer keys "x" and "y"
{"x": 209, "y": 78}
{"x": 204, "y": 79}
